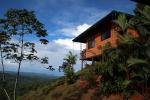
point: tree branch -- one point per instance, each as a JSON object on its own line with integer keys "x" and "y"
{"x": 20, "y": 60}
{"x": 3, "y": 73}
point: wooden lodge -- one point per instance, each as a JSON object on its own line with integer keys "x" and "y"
{"x": 102, "y": 32}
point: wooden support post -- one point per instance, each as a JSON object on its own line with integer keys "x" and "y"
{"x": 81, "y": 64}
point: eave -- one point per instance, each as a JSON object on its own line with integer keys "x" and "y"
{"x": 108, "y": 19}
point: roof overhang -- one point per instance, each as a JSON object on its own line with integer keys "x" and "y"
{"x": 82, "y": 38}
{"x": 100, "y": 25}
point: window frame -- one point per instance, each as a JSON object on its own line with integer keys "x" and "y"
{"x": 91, "y": 42}
{"x": 106, "y": 37}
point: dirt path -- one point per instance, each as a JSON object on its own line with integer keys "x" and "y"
{"x": 88, "y": 95}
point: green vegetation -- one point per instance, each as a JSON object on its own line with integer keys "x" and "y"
{"x": 55, "y": 90}
{"x": 15, "y": 27}
{"x": 123, "y": 70}
{"x": 67, "y": 67}
{"x": 28, "y": 82}
{"x": 126, "y": 69}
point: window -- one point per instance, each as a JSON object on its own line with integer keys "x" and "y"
{"x": 91, "y": 42}
{"x": 106, "y": 35}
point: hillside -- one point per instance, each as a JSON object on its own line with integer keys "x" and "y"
{"x": 28, "y": 81}
{"x": 58, "y": 89}
{"x": 63, "y": 92}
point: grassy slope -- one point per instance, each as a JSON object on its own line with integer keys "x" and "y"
{"x": 55, "y": 90}
{"x": 26, "y": 83}
{"x": 60, "y": 92}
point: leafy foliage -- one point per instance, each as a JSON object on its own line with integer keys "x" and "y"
{"x": 67, "y": 67}
{"x": 130, "y": 53}
{"x": 70, "y": 76}
{"x": 27, "y": 83}
{"x": 126, "y": 69}
{"x": 122, "y": 22}
{"x": 17, "y": 26}
{"x": 70, "y": 59}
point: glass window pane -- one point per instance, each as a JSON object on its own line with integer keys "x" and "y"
{"x": 91, "y": 42}
{"x": 106, "y": 35}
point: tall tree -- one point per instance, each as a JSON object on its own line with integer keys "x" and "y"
{"x": 70, "y": 59}
{"x": 23, "y": 25}
{"x": 127, "y": 66}
{"x": 141, "y": 61}
{"x": 134, "y": 52}
{"x": 4, "y": 48}
{"x": 67, "y": 67}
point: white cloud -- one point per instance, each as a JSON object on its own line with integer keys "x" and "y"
{"x": 73, "y": 32}
{"x": 68, "y": 44}
{"x": 56, "y": 51}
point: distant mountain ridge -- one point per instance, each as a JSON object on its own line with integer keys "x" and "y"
{"x": 32, "y": 75}
{"x": 27, "y": 81}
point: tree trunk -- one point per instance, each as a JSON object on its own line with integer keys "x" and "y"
{"x": 18, "y": 72}
{"x": 6, "y": 93}
{"x": 2, "y": 62}
{"x": 81, "y": 64}
{"x": 3, "y": 75}
{"x": 16, "y": 80}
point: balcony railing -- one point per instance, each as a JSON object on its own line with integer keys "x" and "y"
{"x": 83, "y": 54}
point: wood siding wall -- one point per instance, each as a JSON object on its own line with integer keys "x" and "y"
{"x": 98, "y": 43}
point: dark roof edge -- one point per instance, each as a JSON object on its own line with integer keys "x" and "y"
{"x": 109, "y": 14}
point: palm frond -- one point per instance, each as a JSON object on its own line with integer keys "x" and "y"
{"x": 136, "y": 61}
{"x": 70, "y": 58}
{"x": 122, "y": 22}
{"x": 126, "y": 39}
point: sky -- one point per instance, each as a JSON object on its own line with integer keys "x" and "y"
{"x": 63, "y": 20}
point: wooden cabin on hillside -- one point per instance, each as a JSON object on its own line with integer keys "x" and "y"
{"x": 98, "y": 35}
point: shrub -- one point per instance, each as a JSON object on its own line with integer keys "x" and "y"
{"x": 69, "y": 74}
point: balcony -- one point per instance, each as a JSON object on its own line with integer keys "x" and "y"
{"x": 96, "y": 52}
{"x": 88, "y": 54}
{"x": 83, "y": 55}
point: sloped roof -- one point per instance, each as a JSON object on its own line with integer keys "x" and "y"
{"x": 98, "y": 25}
